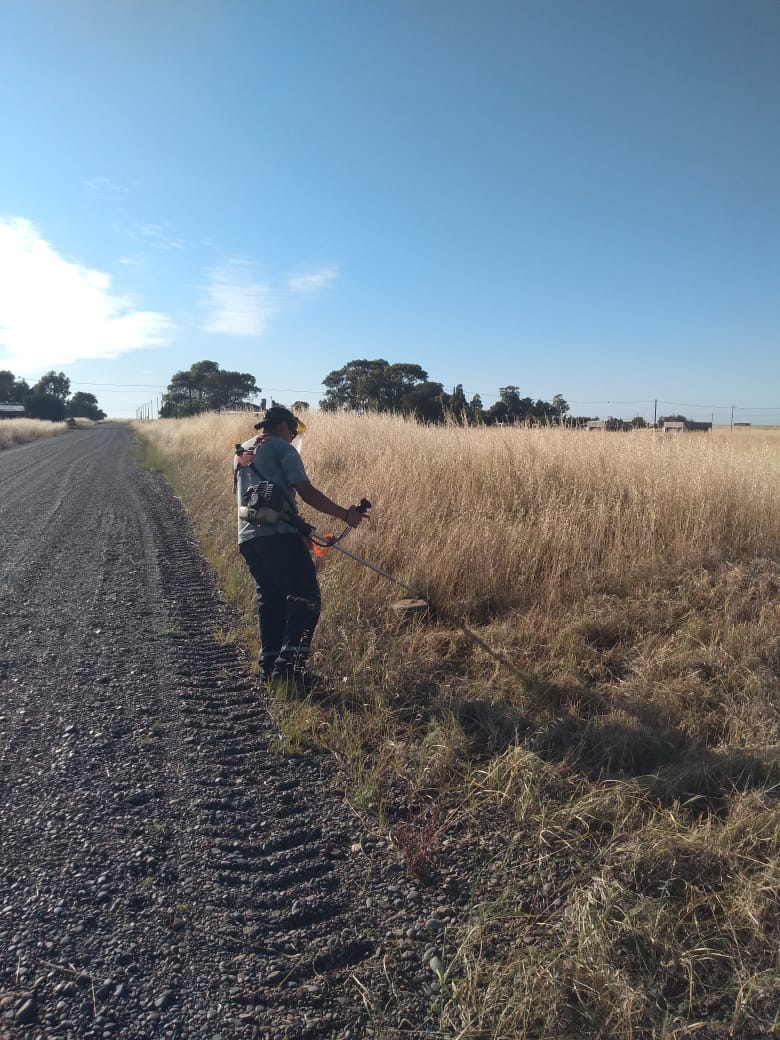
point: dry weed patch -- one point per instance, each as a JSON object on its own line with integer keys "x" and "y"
{"x": 22, "y": 431}
{"x": 619, "y": 813}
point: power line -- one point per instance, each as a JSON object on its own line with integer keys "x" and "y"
{"x": 120, "y": 390}
{"x": 742, "y": 408}
{"x": 124, "y": 386}
{"x": 644, "y": 401}
{"x": 158, "y": 386}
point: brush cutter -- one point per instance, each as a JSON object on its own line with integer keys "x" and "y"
{"x": 417, "y": 604}
{"x": 324, "y": 542}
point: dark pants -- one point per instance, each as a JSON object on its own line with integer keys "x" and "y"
{"x": 288, "y": 599}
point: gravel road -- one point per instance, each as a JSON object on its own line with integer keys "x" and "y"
{"x": 163, "y": 870}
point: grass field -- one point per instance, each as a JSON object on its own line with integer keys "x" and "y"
{"x": 21, "y": 431}
{"x": 615, "y": 792}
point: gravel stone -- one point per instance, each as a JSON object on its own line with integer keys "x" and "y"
{"x": 166, "y": 865}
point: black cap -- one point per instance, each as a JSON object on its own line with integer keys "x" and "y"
{"x": 275, "y": 415}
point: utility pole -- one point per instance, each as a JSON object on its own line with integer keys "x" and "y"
{"x": 732, "y": 418}
{"x": 655, "y": 412}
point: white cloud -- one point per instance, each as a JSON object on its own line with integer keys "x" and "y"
{"x": 155, "y": 236}
{"x": 312, "y": 281}
{"x": 105, "y": 186}
{"x": 238, "y": 301}
{"x": 53, "y": 311}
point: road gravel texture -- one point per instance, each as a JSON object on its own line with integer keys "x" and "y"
{"x": 164, "y": 872}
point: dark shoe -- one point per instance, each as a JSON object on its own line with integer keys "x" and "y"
{"x": 295, "y": 681}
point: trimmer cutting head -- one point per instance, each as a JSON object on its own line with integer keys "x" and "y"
{"x": 410, "y": 607}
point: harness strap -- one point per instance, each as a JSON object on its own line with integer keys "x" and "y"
{"x": 290, "y": 500}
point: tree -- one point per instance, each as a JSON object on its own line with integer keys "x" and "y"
{"x": 202, "y": 371}
{"x": 180, "y": 395}
{"x": 300, "y": 406}
{"x": 7, "y": 385}
{"x": 206, "y": 387}
{"x": 12, "y": 389}
{"x": 354, "y": 386}
{"x": 228, "y": 389}
{"x": 545, "y": 412}
{"x": 561, "y": 406}
{"x": 458, "y": 409}
{"x": 476, "y": 411}
{"x": 370, "y": 385}
{"x": 84, "y": 406}
{"x": 510, "y": 407}
{"x": 53, "y": 384}
{"x": 427, "y": 402}
{"x": 44, "y": 406}
{"x": 398, "y": 381}
{"x": 47, "y": 398}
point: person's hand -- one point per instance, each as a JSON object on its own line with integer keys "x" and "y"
{"x": 354, "y": 516}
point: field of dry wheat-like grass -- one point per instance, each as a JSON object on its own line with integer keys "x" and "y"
{"x": 21, "y": 431}
{"x": 618, "y": 806}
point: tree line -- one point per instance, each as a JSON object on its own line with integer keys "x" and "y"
{"x": 377, "y": 386}
{"x": 362, "y": 386}
{"x": 49, "y": 398}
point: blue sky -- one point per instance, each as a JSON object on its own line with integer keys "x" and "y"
{"x": 571, "y": 197}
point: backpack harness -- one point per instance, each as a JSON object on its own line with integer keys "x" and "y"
{"x": 264, "y": 503}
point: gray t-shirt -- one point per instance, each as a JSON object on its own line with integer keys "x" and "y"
{"x": 278, "y": 462}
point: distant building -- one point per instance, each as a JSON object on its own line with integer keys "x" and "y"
{"x": 742, "y": 424}
{"x": 9, "y": 410}
{"x": 609, "y": 424}
{"x": 688, "y": 424}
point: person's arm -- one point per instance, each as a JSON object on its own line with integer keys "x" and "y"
{"x": 317, "y": 500}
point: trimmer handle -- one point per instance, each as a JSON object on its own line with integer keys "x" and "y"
{"x": 363, "y": 506}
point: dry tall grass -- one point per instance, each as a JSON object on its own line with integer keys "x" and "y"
{"x": 21, "y": 431}
{"x": 619, "y": 814}
{"x": 492, "y": 520}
